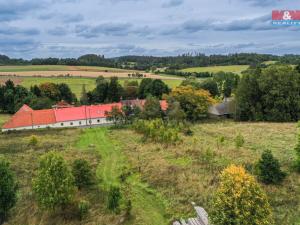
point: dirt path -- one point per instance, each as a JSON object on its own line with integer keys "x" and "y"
{"x": 148, "y": 208}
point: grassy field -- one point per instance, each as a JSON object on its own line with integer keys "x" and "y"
{"x": 189, "y": 171}
{"x": 75, "y": 83}
{"x": 3, "y": 118}
{"x": 148, "y": 209}
{"x": 161, "y": 180}
{"x": 214, "y": 69}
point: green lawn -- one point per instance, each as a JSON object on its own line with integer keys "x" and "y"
{"x": 214, "y": 69}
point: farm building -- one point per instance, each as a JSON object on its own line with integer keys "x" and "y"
{"x": 60, "y": 117}
{"x": 223, "y": 109}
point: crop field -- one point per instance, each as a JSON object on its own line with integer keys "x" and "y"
{"x": 74, "y": 71}
{"x": 214, "y": 69}
{"x": 161, "y": 181}
{"x": 75, "y": 83}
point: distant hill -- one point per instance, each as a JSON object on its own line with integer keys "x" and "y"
{"x": 153, "y": 62}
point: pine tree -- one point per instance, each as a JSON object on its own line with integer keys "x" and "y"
{"x": 268, "y": 169}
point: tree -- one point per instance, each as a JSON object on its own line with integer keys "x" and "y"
{"x": 84, "y": 97}
{"x": 268, "y": 169}
{"x": 152, "y": 109}
{"x": 115, "y": 115}
{"x": 175, "y": 112}
{"x": 211, "y": 86}
{"x": 66, "y": 93}
{"x": 194, "y": 102}
{"x": 143, "y": 89}
{"x": 50, "y": 90}
{"x": 154, "y": 88}
{"x": 298, "y": 68}
{"x": 226, "y": 83}
{"x": 82, "y": 173}
{"x": 270, "y": 94}
{"x": 100, "y": 93}
{"x": 54, "y": 182}
{"x": 115, "y": 90}
{"x": 240, "y": 200}
{"x": 8, "y": 189}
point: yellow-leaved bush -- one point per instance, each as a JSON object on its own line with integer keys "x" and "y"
{"x": 239, "y": 200}
{"x": 194, "y": 102}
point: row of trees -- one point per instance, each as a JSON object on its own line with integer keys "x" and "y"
{"x": 152, "y": 63}
{"x": 270, "y": 94}
{"x": 112, "y": 91}
{"x": 12, "y": 97}
{"x": 186, "y": 74}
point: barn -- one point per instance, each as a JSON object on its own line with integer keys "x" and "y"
{"x": 60, "y": 117}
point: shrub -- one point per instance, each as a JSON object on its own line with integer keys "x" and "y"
{"x": 54, "y": 183}
{"x": 268, "y": 169}
{"x": 158, "y": 131}
{"x": 240, "y": 200}
{"x": 239, "y": 141}
{"x": 82, "y": 173}
{"x": 33, "y": 140}
{"x": 128, "y": 209}
{"x": 8, "y": 189}
{"x": 194, "y": 103}
{"x": 83, "y": 208}
{"x": 114, "y": 197}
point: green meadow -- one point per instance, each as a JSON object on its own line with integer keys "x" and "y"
{"x": 214, "y": 69}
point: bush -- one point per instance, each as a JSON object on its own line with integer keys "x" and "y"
{"x": 33, "y": 140}
{"x": 268, "y": 169}
{"x": 240, "y": 200}
{"x": 8, "y": 189}
{"x": 54, "y": 183}
{"x": 239, "y": 141}
{"x": 83, "y": 208}
{"x": 82, "y": 173}
{"x": 157, "y": 131}
{"x": 114, "y": 197}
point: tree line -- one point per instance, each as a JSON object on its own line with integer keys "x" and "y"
{"x": 45, "y": 95}
{"x": 153, "y": 63}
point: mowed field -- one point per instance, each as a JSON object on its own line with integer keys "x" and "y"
{"x": 161, "y": 181}
{"x": 214, "y": 69}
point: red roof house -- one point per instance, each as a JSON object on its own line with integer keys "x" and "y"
{"x": 27, "y": 117}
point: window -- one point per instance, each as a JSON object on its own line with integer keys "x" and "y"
{"x": 90, "y": 121}
{"x": 79, "y": 122}
{"x": 98, "y": 121}
{"x": 71, "y": 123}
{"x": 62, "y": 124}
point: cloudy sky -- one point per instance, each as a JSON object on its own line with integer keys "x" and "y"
{"x": 70, "y": 28}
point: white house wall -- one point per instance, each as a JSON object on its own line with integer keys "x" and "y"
{"x": 72, "y": 123}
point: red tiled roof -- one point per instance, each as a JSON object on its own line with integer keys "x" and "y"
{"x": 26, "y": 116}
{"x": 31, "y": 118}
{"x": 83, "y": 112}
